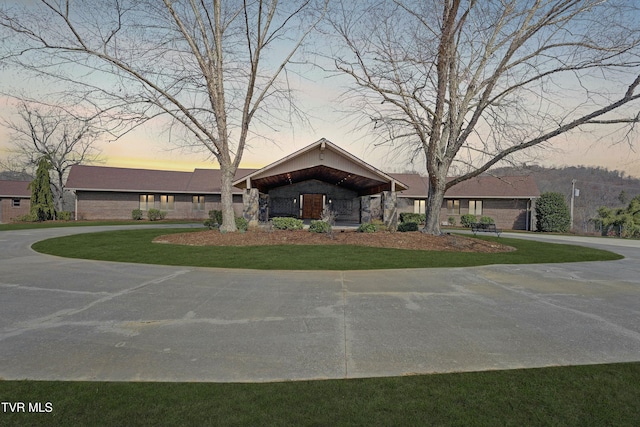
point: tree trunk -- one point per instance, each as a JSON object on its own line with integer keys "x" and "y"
{"x": 433, "y": 207}
{"x": 228, "y": 215}
{"x": 59, "y": 187}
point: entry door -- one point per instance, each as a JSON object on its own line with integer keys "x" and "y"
{"x": 311, "y": 206}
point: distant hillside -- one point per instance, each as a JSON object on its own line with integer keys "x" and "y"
{"x": 598, "y": 187}
{"x": 15, "y": 176}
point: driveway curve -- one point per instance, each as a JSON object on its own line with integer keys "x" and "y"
{"x": 70, "y": 319}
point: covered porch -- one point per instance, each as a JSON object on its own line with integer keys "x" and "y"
{"x": 318, "y": 177}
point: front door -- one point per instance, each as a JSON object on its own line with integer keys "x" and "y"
{"x": 312, "y": 206}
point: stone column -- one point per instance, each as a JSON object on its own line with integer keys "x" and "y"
{"x": 365, "y": 209}
{"x": 251, "y": 205}
{"x": 264, "y": 208}
{"x": 390, "y": 209}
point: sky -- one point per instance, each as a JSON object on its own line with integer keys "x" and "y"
{"x": 148, "y": 148}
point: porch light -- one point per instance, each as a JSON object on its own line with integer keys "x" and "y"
{"x": 295, "y": 200}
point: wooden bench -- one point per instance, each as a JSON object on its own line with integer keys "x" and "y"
{"x": 485, "y": 228}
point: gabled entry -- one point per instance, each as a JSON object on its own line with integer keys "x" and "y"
{"x": 318, "y": 176}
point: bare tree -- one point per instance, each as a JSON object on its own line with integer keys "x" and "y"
{"x": 212, "y": 66}
{"x": 469, "y": 83}
{"x": 57, "y": 135}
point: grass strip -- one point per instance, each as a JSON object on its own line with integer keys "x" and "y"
{"x": 136, "y": 246}
{"x": 594, "y": 395}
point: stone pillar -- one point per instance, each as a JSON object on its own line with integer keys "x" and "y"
{"x": 264, "y": 208}
{"x": 390, "y": 210}
{"x": 365, "y": 209}
{"x": 251, "y": 205}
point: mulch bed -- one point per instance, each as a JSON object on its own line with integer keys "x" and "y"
{"x": 409, "y": 240}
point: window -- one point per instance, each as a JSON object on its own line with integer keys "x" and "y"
{"x": 453, "y": 207}
{"x": 475, "y": 207}
{"x": 15, "y": 203}
{"x": 146, "y": 202}
{"x": 198, "y": 203}
{"x": 166, "y": 202}
{"x": 418, "y": 206}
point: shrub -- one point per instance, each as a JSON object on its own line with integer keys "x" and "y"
{"x": 25, "y": 218}
{"x": 552, "y": 213}
{"x": 367, "y": 228}
{"x": 379, "y": 224}
{"x": 283, "y": 223}
{"x": 486, "y": 220}
{"x": 155, "y": 214}
{"x": 136, "y": 214}
{"x": 413, "y": 217}
{"x": 241, "y": 224}
{"x": 408, "y": 226}
{"x": 452, "y": 221}
{"x": 320, "y": 227}
{"x": 63, "y": 216}
{"x": 216, "y": 216}
{"x": 214, "y": 220}
{"x": 467, "y": 219}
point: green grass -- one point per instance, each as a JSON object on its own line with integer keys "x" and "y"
{"x": 136, "y": 246}
{"x": 595, "y": 395}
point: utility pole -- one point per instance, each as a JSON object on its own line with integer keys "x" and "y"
{"x": 573, "y": 195}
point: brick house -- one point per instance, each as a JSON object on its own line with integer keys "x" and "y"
{"x": 15, "y": 199}
{"x": 321, "y": 175}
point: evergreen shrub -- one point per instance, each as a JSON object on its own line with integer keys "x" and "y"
{"x": 319, "y": 227}
{"x": 284, "y": 223}
{"x": 467, "y": 219}
{"x": 552, "y": 213}
{"x": 407, "y": 226}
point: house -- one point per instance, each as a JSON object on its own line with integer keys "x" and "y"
{"x": 15, "y": 200}
{"x": 321, "y": 175}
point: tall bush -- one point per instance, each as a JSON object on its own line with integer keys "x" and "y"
{"x": 552, "y": 213}
{"x": 42, "y": 208}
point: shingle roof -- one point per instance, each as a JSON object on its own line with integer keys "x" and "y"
{"x": 103, "y": 178}
{"x": 504, "y": 187}
{"x": 15, "y": 189}
{"x": 207, "y": 181}
{"x": 417, "y": 185}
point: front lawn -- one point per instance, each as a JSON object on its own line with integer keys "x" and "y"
{"x": 136, "y": 246}
{"x": 596, "y": 395}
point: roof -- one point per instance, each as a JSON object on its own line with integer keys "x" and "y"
{"x": 104, "y": 178}
{"x": 325, "y": 161}
{"x": 417, "y": 185}
{"x": 18, "y": 189}
{"x": 504, "y": 187}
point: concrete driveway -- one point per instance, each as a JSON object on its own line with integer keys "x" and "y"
{"x": 65, "y": 319}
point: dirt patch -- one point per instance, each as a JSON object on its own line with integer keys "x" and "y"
{"x": 411, "y": 240}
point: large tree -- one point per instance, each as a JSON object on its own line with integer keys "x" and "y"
{"x": 212, "y": 66}
{"x": 470, "y": 83}
{"x": 56, "y": 134}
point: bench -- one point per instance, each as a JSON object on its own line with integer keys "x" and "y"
{"x": 485, "y": 228}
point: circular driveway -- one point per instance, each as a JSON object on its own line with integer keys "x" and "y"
{"x": 69, "y": 319}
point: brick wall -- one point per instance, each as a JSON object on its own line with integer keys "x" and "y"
{"x": 9, "y": 213}
{"x": 113, "y": 205}
{"x": 508, "y": 214}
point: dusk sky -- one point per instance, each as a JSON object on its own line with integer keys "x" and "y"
{"x": 318, "y": 95}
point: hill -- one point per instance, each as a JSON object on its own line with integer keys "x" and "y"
{"x": 597, "y": 187}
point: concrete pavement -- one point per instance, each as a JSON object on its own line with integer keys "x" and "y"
{"x": 64, "y": 319}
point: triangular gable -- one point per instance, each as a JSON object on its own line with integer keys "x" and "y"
{"x": 321, "y": 155}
